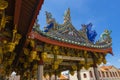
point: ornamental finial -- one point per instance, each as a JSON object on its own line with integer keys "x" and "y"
{"x": 49, "y": 18}
{"x": 67, "y": 17}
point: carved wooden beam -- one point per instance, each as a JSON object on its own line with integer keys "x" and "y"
{"x": 68, "y": 57}
{"x": 17, "y": 11}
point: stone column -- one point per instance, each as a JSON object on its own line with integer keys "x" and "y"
{"x": 40, "y": 71}
{"x": 95, "y": 67}
{"x": 50, "y": 77}
{"x": 55, "y": 75}
{"x": 78, "y": 75}
{"x": 96, "y": 72}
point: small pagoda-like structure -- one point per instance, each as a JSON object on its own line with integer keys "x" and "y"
{"x": 33, "y": 53}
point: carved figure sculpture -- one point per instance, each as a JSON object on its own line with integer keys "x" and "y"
{"x": 91, "y": 34}
{"x": 105, "y": 36}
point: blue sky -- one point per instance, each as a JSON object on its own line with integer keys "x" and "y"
{"x": 104, "y": 14}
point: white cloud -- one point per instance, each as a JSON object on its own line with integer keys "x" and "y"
{"x": 101, "y": 64}
{"x": 107, "y": 64}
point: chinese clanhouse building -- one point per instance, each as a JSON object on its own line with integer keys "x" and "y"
{"x": 32, "y": 53}
{"x": 105, "y": 73}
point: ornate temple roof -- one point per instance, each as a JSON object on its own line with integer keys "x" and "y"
{"x": 67, "y": 33}
{"x": 59, "y": 46}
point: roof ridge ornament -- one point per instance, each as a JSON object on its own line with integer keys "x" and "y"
{"x": 48, "y": 17}
{"x": 91, "y": 34}
{"x": 51, "y": 23}
{"x": 105, "y": 37}
{"x": 67, "y": 17}
{"x": 36, "y": 26}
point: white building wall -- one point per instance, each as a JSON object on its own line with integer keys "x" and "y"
{"x": 109, "y": 77}
{"x": 82, "y": 72}
{"x": 87, "y": 75}
{"x": 74, "y": 77}
{"x": 14, "y": 77}
{"x": 92, "y": 70}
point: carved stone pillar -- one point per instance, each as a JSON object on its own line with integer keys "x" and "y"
{"x": 40, "y": 71}
{"x": 50, "y": 77}
{"x": 96, "y": 72}
{"x": 95, "y": 67}
{"x": 78, "y": 75}
{"x": 55, "y": 75}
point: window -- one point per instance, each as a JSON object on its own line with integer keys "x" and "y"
{"x": 91, "y": 75}
{"x": 103, "y": 74}
{"x": 119, "y": 73}
{"x": 84, "y": 75}
{"x": 116, "y": 74}
{"x": 99, "y": 73}
{"x": 107, "y": 74}
{"x": 111, "y": 74}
